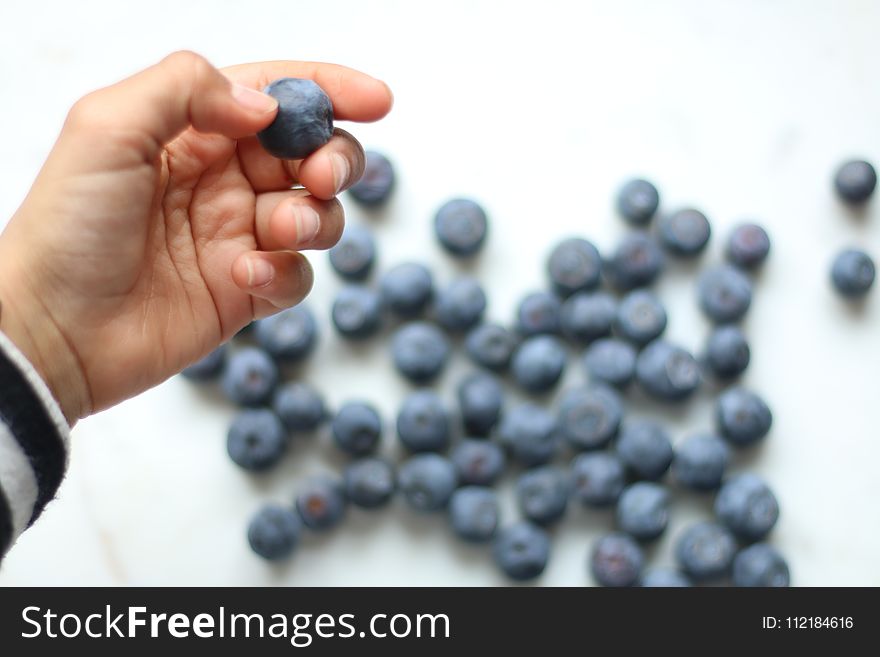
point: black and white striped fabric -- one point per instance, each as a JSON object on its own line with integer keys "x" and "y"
{"x": 33, "y": 444}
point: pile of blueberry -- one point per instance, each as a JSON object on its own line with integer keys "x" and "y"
{"x": 580, "y": 448}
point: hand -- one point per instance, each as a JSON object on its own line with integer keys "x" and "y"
{"x": 158, "y": 227}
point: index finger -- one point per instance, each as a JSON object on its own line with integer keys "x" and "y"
{"x": 355, "y": 96}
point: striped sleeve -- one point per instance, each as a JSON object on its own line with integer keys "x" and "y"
{"x": 33, "y": 444}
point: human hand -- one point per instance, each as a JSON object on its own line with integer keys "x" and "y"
{"x": 158, "y": 227}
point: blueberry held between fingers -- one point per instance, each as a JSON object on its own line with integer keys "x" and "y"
{"x": 724, "y": 294}
{"x": 300, "y": 406}
{"x": 542, "y": 494}
{"x": 538, "y": 312}
{"x": 616, "y": 560}
{"x": 522, "y": 551}
{"x": 760, "y": 565}
{"x": 645, "y": 449}
{"x": 574, "y": 265}
{"x": 667, "y": 372}
{"x": 304, "y": 121}
{"x": 377, "y": 183}
{"x": 273, "y": 532}
{"x": 610, "y": 361}
{"x": 589, "y": 418}
{"x": 641, "y": 317}
{"x": 597, "y": 478}
{"x": 664, "y": 578}
{"x": 209, "y": 367}
{"x": 853, "y": 273}
{"x": 747, "y": 506}
{"x": 289, "y": 335}
{"x": 423, "y": 423}
{"x": 461, "y": 304}
{"x": 855, "y": 181}
{"x": 636, "y": 262}
{"x": 354, "y": 255}
{"x": 587, "y": 316}
{"x": 705, "y": 551}
{"x": 474, "y": 513}
{"x": 356, "y": 312}
{"x": 684, "y": 233}
{"x": 490, "y": 346}
{"x": 747, "y": 246}
{"x": 531, "y": 434}
{"x": 637, "y": 201}
{"x": 427, "y": 481}
{"x": 256, "y": 439}
{"x": 727, "y": 352}
{"x": 321, "y": 503}
{"x": 700, "y": 461}
{"x": 643, "y": 510}
{"x": 538, "y": 363}
{"x": 480, "y": 397}
{"x": 419, "y": 351}
{"x": 369, "y": 482}
{"x": 478, "y": 462}
{"x": 407, "y": 288}
{"x": 461, "y": 226}
{"x": 356, "y": 428}
{"x": 743, "y": 417}
{"x": 250, "y": 377}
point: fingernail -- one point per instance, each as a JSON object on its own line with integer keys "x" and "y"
{"x": 253, "y": 100}
{"x": 307, "y": 223}
{"x": 260, "y": 272}
{"x": 340, "y": 171}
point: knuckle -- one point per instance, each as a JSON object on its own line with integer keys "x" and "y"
{"x": 85, "y": 111}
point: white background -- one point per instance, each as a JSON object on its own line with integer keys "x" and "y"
{"x": 539, "y": 110}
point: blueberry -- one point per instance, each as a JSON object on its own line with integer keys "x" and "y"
{"x": 760, "y": 565}
{"x": 369, "y": 482}
{"x": 300, "y": 406}
{"x": 636, "y": 262}
{"x": 274, "y": 532}
{"x": 375, "y": 186}
{"x": 531, "y": 434}
{"x": 250, "y": 377}
{"x": 356, "y": 312}
{"x": 664, "y": 578}
{"x": 590, "y": 417}
{"x": 747, "y": 506}
{"x": 474, "y": 514}
{"x": 574, "y": 265}
{"x": 538, "y": 312}
{"x": 610, "y": 361}
{"x": 542, "y": 494}
{"x": 478, "y": 462}
{"x": 855, "y": 181}
{"x": 616, "y": 560}
{"x": 460, "y": 306}
{"x": 256, "y": 439}
{"x": 743, "y": 417}
{"x": 304, "y": 121}
{"x": 407, "y": 288}
{"x": 727, "y": 352}
{"x": 667, "y": 372}
{"x": 480, "y": 398}
{"x": 427, "y": 481}
{"x": 321, "y": 503}
{"x": 637, "y": 201}
{"x": 705, "y": 551}
{"x": 357, "y": 428}
{"x": 641, "y": 317}
{"x": 587, "y": 316}
{"x": 643, "y": 510}
{"x": 423, "y": 422}
{"x": 724, "y": 294}
{"x": 597, "y": 478}
{"x": 747, "y": 246}
{"x": 289, "y": 335}
{"x": 490, "y": 346}
{"x": 522, "y": 550}
{"x": 700, "y": 461}
{"x": 645, "y": 448}
{"x": 684, "y": 233}
{"x": 419, "y": 351}
{"x": 354, "y": 255}
{"x": 538, "y": 363}
{"x": 209, "y": 367}
{"x": 853, "y": 273}
{"x": 461, "y": 226}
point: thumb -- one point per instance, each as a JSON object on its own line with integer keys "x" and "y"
{"x": 159, "y": 103}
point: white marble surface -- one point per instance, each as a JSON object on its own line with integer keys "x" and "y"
{"x": 742, "y": 109}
